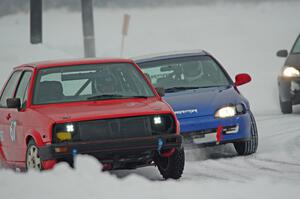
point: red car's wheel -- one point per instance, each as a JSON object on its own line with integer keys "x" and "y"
{"x": 171, "y": 167}
{"x": 33, "y": 161}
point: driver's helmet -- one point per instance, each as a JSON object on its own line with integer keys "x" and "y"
{"x": 106, "y": 84}
{"x": 192, "y": 70}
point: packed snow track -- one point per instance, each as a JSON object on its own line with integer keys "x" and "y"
{"x": 244, "y": 37}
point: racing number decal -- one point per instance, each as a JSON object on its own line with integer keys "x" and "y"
{"x": 12, "y": 130}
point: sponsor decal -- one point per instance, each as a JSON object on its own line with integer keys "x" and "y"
{"x": 189, "y": 111}
{"x": 12, "y": 130}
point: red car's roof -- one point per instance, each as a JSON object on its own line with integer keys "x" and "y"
{"x": 68, "y": 62}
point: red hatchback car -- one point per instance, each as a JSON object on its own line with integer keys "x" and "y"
{"x": 52, "y": 111}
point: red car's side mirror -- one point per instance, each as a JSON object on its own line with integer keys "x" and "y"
{"x": 241, "y": 79}
{"x": 160, "y": 91}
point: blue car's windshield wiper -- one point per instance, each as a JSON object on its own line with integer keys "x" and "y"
{"x": 182, "y": 88}
{"x": 175, "y": 89}
{"x": 213, "y": 86}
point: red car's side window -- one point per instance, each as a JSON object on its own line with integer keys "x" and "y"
{"x": 22, "y": 90}
{"x": 10, "y": 88}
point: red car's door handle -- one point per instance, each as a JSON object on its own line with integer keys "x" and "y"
{"x": 8, "y": 116}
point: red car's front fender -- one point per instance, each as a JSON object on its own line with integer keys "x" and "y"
{"x": 36, "y": 137}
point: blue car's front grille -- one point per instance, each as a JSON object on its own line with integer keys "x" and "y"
{"x": 189, "y": 136}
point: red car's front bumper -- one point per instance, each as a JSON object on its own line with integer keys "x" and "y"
{"x": 114, "y": 150}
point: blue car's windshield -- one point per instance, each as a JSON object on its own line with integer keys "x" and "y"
{"x": 177, "y": 74}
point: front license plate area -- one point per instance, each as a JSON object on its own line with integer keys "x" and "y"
{"x": 205, "y": 138}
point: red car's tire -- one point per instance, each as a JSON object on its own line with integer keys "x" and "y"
{"x": 173, "y": 166}
{"x": 33, "y": 161}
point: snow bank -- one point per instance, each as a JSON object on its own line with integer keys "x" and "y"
{"x": 88, "y": 182}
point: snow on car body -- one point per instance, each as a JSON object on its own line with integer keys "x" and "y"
{"x": 51, "y": 111}
{"x": 208, "y": 104}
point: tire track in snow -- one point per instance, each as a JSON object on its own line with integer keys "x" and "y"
{"x": 279, "y": 162}
{"x": 221, "y": 163}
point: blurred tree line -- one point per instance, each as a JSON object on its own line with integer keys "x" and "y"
{"x": 15, "y": 6}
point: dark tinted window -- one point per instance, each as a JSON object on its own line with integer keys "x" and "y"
{"x": 296, "y": 48}
{"x": 10, "y": 88}
{"x": 23, "y": 87}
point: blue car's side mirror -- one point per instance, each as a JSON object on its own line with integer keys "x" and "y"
{"x": 241, "y": 79}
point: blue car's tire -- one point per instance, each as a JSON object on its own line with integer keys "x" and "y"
{"x": 173, "y": 166}
{"x": 250, "y": 146}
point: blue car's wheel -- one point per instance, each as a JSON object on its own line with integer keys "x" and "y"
{"x": 250, "y": 146}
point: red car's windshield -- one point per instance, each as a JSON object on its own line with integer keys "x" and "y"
{"x": 89, "y": 82}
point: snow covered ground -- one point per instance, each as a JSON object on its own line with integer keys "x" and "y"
{"x": 244, "y": 38}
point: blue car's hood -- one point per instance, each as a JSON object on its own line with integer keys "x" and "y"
{"x": 202, "y": 102}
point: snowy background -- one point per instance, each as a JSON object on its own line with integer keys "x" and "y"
{"x": 243, "y": 37}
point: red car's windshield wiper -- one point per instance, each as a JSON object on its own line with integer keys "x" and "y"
{"x": 114, "y": 96}
{"x": 137, "y": 96}
{"x": 106, "y": 96}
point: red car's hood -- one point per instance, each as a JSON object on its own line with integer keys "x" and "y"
{"x": 79, "y": 111}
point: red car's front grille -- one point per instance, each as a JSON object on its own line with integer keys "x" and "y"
{"x": 117, "y": 128}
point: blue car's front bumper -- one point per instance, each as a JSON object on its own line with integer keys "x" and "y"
{"x": 202, "y": 131}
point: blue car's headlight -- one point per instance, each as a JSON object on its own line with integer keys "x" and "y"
{"x": 230, "y": 111}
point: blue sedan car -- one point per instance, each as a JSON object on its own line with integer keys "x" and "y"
{"x": 210, "y": 108}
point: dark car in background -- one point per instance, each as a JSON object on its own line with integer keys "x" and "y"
{"x": 289, "y": 78}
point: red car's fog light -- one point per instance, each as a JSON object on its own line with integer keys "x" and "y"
{"x": 61, "y": 149}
